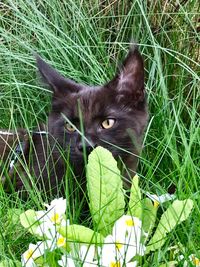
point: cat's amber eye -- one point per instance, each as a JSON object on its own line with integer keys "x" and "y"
{"x": 108, "y": 123}
{"x": 69, "y": 127}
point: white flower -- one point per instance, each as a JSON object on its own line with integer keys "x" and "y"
{"x": 50, "y": 222}
{"x": 127, "y": 232}
{"x": 132, "y": 264}
{"x": 60, "y": 241}
{"x": 160, "y": 199}
{"x": 124, "y": 243}
{"x": 55, "y": 212}
{"x": 192, "y": 259}
{"x": 46, "y": 229}
{"x": 111, "y": 256}
{"x": 56, "y": 208}
{"x": 52, "y": 219}
{"x": 66, "y": 262}
{"x": 84, "y": 256}
{"x": 34, "y": 251}
{"x": 50, "y": 233}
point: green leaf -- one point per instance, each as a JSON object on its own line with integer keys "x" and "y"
{"x": 135, "y": 205}
{"x": 143, "y": 209}
{"x": 177, "y": 212}
{"x": 105, "y": 191}
{"x": 13, "y": 215}
{"x": 29, "y": 221}
{"x": 10, "y": 263}
{"x": 81, "y": 234}
{"x": 169, "y": 264}
{"x": 50, "y": 259}
{"x": 149, "y": 213}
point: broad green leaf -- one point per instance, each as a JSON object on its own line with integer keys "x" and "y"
{"x": 29, "y": 221}
{"x": 149, "y": 213}
{"x": 81, "y": 234}
{"x": 105, "y": 191}
{"x": 135, "y": 205}
{"x": 177, "y": 212}
{"x": 10, "y": 263}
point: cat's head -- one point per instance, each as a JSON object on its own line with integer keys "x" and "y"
{"x": 113, "y": 115}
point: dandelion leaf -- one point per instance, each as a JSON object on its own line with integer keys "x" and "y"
{"x": 176, "y": 213}
{"x": 104, "y": 185}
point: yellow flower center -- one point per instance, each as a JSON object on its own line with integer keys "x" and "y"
{"x": 156, "y": 203}
{"x": 29, "y": 254}
{"x": 129, "y": 222}
{"x": 55, "y": 218}
{"x": 118, "y": 245}
{"x": 61, "y": 242}
{"x": 115, "y": 264}
{"x": 196, "y": 261}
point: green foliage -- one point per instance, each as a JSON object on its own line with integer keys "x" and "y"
{"x": 87, "y": 48}
{"x": 29, "y": 221}
{"x": 135, "y": 205}
{"x": 141, "y": 208}
{"x": 82, "y": 234}
{"x": 149, "y": 213}
{"x": 10, "y": 263}
{"x": 13, "y": 215}
{"x": 176, "y": 213}
{"x": 169, "y": 264}
{"x": 105, "y": 191}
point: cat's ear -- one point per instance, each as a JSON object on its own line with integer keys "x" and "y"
{"x": 130, "y": 77}
{"x": 59, "y": 84}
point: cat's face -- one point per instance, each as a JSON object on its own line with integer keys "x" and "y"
{"x": 113, "y": 115}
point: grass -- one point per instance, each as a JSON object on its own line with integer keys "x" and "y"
{"x": 85, "y": 40}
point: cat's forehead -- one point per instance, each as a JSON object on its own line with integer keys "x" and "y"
{"x": 92, "y": 95}
{"x": 93, "y": 101}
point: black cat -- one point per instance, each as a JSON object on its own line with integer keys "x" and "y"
{"x": 113, "y": 116}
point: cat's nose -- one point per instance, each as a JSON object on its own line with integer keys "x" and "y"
{"x": 88, "y": 147}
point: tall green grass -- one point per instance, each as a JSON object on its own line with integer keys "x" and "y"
{"x": 85, "y": 40}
